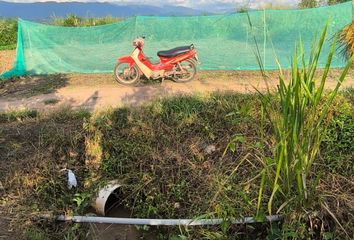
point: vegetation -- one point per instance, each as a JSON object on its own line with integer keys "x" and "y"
{"x": 347, "y": 41}
{"x": 316, "y": 3}
{"x": 332, "y": 2}
{"x": 8, "y": 27}
{"x": 298, "y": 124}
{"x": 18, "y": 115}
{"x": 51, "y": 101}
{"x": 308, "y": 3}
{"x": 170, "y": 157}
{"x": 224, "y": 156}
{"x": 75, "y": 21}
{"x": 8, "y": 34}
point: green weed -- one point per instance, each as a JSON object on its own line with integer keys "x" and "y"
{"x": 64, "y": 113}
{"x": 51, "y": 101}
{"x": 35, "y": 234}
{"x": 298, "y": 127}
{"x": 18, "y": 115}
{"x": 337, "y": 146}
{"x": 8, "y": 34}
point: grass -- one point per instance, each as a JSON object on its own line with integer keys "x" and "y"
{"x": 8, "y": 47}
{"x": 51, "y": 101}
{"x": 340, "y": 135}
{"x": 349, "y": 94}
{"x": 18, "y": 115}
{"x": 159, "y": 152}
{"x": 32, "y": 86}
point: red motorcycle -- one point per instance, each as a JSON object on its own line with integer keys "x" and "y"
{"x": 177, "y": 63}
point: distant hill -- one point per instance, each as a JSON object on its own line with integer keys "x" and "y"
{"x": 45, "y": 10}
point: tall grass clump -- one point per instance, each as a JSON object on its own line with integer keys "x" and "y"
{"x": 298, "y": 126}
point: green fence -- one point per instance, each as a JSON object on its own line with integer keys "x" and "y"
{"x": 223, "y": 42}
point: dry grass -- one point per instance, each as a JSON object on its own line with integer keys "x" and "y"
{"x": 33, "y": 151}
{"x": 347, "y": 40}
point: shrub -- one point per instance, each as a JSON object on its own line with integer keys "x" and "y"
{"x": 75, "y": 21}
{"x": 8, "y": 33}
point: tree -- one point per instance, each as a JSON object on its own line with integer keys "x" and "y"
{"x": 243, "y": 7}
{"x": 332, "y": 2}
{"x": 308, "y": 4}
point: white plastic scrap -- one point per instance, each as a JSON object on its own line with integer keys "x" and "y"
{"x": 210, "y": 149}
{"x": 71, "y": 179}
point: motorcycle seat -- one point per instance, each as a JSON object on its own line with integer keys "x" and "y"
{"x": 175, "y": 51}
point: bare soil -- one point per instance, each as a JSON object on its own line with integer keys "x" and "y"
{"x": 97, "y": 91}
{"x": 7, "y": 58}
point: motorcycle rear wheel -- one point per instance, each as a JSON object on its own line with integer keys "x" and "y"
{"x": 126, "y": 75}
{"x": 186, "y": 71}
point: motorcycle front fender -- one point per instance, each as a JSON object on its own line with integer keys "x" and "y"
{"x": 127, "y": 59}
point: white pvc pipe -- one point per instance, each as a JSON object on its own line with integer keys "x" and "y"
{"x": 104, "y": 193}
{"x": 158, "y": 222}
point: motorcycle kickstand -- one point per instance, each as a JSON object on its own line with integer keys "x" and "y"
{"x": 162, "y": 80}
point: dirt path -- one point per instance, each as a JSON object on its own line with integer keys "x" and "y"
{"x": 112, "y": 95}
{"x": 97, "y": 91}
{"x": 100, "y": 91}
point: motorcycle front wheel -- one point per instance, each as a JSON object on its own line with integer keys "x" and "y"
{"x": 185, "y": 71}
{"x": 126, "y": 75}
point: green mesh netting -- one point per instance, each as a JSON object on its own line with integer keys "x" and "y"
{"x": 223, "y": 42}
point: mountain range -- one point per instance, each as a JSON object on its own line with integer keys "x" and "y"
{"x": 46, "y": 10}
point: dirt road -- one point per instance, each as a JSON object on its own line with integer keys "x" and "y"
{"x": 24, "y": 95}
{"x": 97, "y": 91}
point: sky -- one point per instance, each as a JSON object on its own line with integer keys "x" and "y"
{"x": 186, "y": 3}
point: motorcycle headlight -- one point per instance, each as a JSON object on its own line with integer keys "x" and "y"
{"x": 138, "y": 42}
